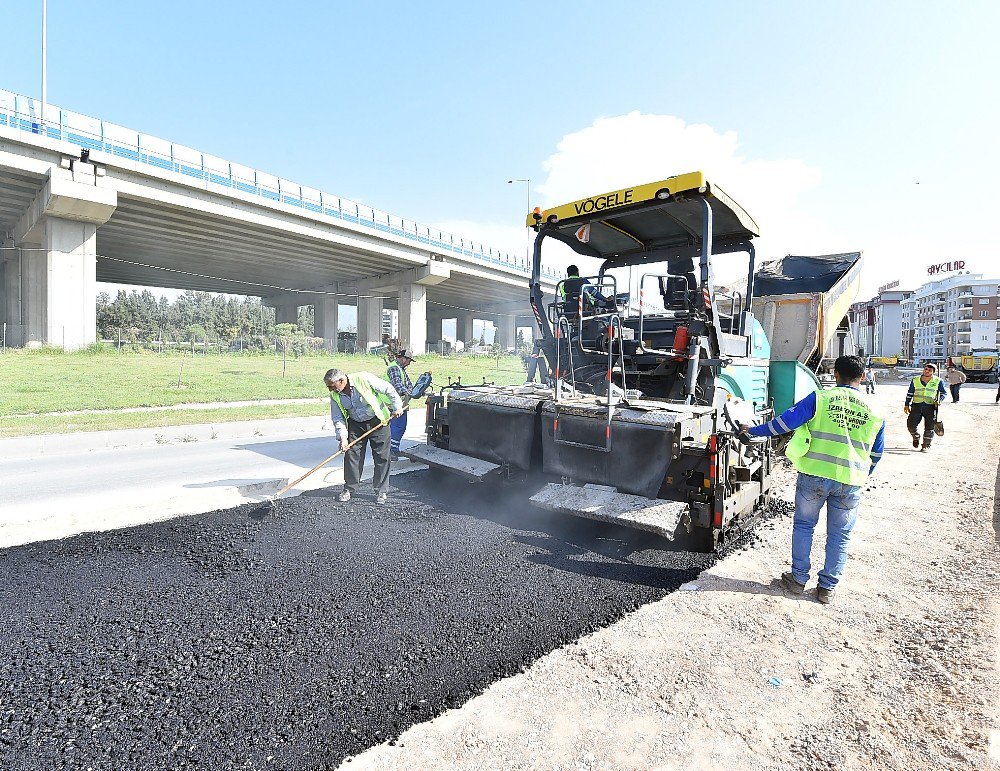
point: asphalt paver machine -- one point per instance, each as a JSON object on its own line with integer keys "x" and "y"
{"x": 638, "y": 423}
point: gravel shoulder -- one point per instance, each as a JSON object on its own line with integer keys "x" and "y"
{"x": 900, "y": 673}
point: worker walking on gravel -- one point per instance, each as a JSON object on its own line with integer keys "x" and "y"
{"x": 925, "y": 393}
{"x": 397, "y": 376}
{"x": 837, "y": 442}
{"x": 955, "y": 379}
{"x": 869, "y": 380}
{"x": 359, "y": 403}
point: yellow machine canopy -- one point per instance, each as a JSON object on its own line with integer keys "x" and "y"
{"x": 664, "y": 216}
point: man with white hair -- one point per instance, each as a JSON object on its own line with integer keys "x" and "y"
{"x": 359, "y": 403}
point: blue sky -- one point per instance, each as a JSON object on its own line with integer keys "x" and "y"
{"x": 819, "y": 119}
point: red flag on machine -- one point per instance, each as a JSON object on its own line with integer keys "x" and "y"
{"x": 583, "y": 233}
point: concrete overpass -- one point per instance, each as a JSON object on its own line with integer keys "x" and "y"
{"x": 83, "y": 201}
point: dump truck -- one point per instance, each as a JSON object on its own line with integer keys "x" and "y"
{"x": 802, "y": 304}
{"x": 639, "y": 423}
{"x": 978, "y": 366}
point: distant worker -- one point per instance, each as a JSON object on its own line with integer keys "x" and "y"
{"x": 536, "y": 364}
{"x": 404, "y": 387}
{"x": 358, "y": 403}
{"x": 869, "y": 380}
{"x": 955, "y": 378}
{"x": 925, "y": 393}
{"x": 837, "y": 442}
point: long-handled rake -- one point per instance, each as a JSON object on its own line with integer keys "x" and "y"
{"x": 268, "y": 506}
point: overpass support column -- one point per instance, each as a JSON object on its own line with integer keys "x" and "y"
{"x": 58, "y": 275}
{"x": 413, "y": 317}
{"x": 434, "y": 333}
{"x": 369, "y": 322}
{"x": 59, "y": 286}
{"x": 506, "y": 332}
{"x": 10, "y": 294}
{"x": 286, "y": 314}
{"x": 463, "y": 326}
{"x": 325, "y": 315}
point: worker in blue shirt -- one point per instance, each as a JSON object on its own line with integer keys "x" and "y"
{"x": 838, "y": 440}
{"x": 798, "y": 414}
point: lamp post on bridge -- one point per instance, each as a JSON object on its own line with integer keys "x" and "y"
{"x": 44, "y": 35}
{"x": 527, "y": 201}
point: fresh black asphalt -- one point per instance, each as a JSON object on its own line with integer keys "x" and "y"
{"x": 222, "y": 642}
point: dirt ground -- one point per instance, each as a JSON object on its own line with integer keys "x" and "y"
{"x": 731, "y": 673}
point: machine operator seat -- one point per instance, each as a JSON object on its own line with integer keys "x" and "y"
{"x": 572, "y": 287}
{"x": 675, "y": 294}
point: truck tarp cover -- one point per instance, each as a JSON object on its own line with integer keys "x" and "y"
{"x": 793, "y": 274}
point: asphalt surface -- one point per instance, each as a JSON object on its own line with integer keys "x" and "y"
{"x": 224, "y": 642}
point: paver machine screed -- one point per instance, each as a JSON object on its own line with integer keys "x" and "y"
{"x": 638, "y": 423}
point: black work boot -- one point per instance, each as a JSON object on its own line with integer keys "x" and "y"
{"x": 788, "y": 581}
{"x": 916, "y": 441}
{"x": 825, "y": 596}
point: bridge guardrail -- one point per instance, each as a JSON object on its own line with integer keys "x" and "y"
{"x": 24, "y": 114}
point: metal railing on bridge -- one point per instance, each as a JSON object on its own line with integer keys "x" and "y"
{"x": 24, "y": 114}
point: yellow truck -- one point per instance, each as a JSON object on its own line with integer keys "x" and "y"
{"x": 979, "y": 366}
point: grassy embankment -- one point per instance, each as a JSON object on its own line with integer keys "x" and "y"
{"x": 35, "y": 386}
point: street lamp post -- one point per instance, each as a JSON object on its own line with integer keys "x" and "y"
{"x": 44, "y": 35}
{"x": 527, "y": 208}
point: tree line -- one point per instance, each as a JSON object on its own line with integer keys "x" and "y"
{"x": 138, "y": 316}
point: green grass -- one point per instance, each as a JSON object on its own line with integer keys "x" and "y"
{"x": 30, "y": 425}
{"x": 48, "y": 381}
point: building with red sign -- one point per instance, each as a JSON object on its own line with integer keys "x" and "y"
{"x": 952, "y": 316}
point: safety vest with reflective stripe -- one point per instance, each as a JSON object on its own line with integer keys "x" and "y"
{"x": 925, "y": 394}
{"x": 403, "y": 378}
{"x": 836, "y": 443}
{"x": 380, "y": 404}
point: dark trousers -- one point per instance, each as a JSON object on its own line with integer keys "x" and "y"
{"x": 926, "y": 413}
{"x": 354, "y": 460}
{"x": 537, "y": 364}
{"x": 954, "y": 391}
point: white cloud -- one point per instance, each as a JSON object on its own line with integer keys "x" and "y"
{"x": 631, "y": 149}
{"x": 796, "y": 211}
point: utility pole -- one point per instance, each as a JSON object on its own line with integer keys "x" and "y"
{"x": 44, "y": 35}
{"x": 527, "y": 208}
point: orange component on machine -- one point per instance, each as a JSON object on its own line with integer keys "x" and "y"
{"x": 681, "y": 337}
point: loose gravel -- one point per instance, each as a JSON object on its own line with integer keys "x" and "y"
{"x": 296, "y": 641}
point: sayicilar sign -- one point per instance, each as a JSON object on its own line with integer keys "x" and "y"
{"x": 946, "y": 267}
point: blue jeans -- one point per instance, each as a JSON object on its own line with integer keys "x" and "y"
{"x": 397, "y": 427}
{"x": 842, "y": 501}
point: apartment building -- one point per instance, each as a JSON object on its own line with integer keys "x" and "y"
{"x": 951, "y": 316}
{"x": 877, "y": 324}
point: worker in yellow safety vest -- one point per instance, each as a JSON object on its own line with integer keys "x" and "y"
{"x": 571, "y": 289}
{"x": 925, "y": 393}
{"x": 359, "y": 403}
{"x": 400, "y": 380}
{"x": 837, "y": 442}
